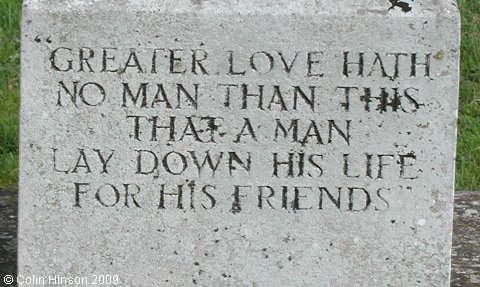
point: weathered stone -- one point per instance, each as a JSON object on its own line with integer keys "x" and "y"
{"x": 465, "y": 260}
{"x": 281, "y": 143}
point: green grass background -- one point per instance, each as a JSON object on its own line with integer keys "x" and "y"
{"x": 468, "y": 151}
{"x": 9, "y": 90}
{"x": 468, "y": 147}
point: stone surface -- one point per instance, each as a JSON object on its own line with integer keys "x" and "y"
{"x": 220, "y": 143}
{"x": 465, "y": 267}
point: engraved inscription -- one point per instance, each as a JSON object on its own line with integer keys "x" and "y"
{"x": 207, "y": 131}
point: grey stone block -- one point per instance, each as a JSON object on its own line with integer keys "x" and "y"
{"x": 237, "y": 143}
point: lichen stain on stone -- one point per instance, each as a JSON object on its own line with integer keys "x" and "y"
{"x": 73, "y": 269}
{"x": 197, "y": 3}
{"x": 438, "y": 204}
{"x": 439, "y": 55}
{"x": 178, "y": 66}
{"x": 400, "y": 4}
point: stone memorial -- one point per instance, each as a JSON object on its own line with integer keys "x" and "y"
{"x": 237, "y": 143}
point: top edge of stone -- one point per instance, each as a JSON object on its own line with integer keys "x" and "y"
{"x": 305, "y": 7}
